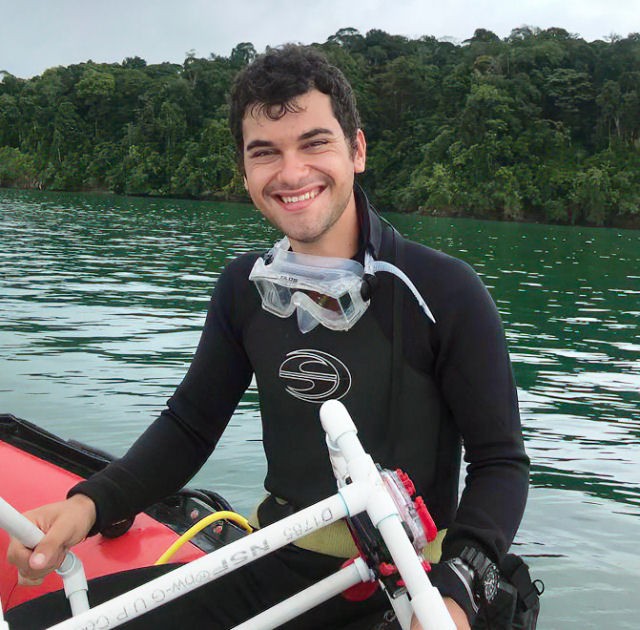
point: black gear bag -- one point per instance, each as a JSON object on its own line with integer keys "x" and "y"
{"x": 517, "y": 603}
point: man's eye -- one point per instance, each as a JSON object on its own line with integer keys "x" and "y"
{"x": 317, "y": 144}
{"x": 262, "y": 153}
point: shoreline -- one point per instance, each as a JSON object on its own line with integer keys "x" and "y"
{"x": 622, "y": 223}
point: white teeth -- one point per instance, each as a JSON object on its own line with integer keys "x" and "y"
{"x": 308, "y": 195}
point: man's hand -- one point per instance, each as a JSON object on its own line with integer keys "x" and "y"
{"x": 64, "y": 524}
{"x": 457, "y": 614}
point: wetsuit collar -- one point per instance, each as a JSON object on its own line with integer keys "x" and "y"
{"x": 369, "y": 221}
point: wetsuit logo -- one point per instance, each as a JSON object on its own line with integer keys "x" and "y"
{"x": 315, "y": 376}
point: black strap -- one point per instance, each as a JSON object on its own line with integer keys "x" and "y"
{"x": 517, "y": 572}
{"x": 397, "y": 331}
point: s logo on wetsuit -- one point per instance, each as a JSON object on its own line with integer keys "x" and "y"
{"x": 314, "y": 376}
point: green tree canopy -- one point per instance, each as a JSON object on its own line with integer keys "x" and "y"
{"x": 540, "y": 125}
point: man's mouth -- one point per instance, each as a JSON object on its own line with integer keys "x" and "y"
{"x": 310, "y": 194}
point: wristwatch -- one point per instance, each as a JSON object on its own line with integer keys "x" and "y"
{"x": 484, "y": 573}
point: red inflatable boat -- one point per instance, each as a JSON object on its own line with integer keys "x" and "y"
{"x": 37, "y": 467}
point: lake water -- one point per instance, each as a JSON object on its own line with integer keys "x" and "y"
{"x": 102, "y": 299}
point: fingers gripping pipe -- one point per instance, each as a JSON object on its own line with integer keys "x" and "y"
{"x": 71, "y": 570}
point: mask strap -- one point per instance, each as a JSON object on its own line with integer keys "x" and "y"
{"x": 371, "y": 266}
{"x": 283, "y": 243}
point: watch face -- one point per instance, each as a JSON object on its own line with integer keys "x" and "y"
{"x": 490, "y": 583}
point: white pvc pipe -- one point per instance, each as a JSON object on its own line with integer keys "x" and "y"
{"x": 426, "y": 600}
{"x": 19, "y": 526}
{"x": 75, "y": 583}
{"x": 309, "y": 598}
{"x": 71, "y": 570}
{"x": 403, "y": 610}
{"x": 186, "y": 578}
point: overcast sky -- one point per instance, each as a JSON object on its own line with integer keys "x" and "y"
{"x": 39, "y": 34}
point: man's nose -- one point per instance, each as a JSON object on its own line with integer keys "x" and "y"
{"x": 292, "y": 169}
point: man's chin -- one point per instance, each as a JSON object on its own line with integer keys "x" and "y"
{"x": 304, "y": 237}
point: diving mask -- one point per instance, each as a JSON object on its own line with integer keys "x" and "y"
{"x": 333, "y": 292}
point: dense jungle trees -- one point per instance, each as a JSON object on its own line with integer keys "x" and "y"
{"x": 540, "y": 125}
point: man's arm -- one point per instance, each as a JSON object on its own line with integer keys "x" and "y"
{"x": 176, "y": 445}
{"x": 167, "y": 454}
{"x": 476, "y": 381}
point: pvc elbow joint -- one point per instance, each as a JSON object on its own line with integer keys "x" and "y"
{"x": 75, "y": 583}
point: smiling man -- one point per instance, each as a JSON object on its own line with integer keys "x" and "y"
{"x": 406, "y": 337}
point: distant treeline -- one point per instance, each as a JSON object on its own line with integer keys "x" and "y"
{"x": 541, "y": 125}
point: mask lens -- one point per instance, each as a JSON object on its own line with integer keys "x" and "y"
{"x": 275, "y": 298}
{"x": 328, "y": 302}
{"x": 332, "y": 311}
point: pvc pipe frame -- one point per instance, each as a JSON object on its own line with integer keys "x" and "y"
{"x": 366, "y": 493}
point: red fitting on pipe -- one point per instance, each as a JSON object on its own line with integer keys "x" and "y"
{"x": 427, "y": 522}
{"x": 361, "y": 591}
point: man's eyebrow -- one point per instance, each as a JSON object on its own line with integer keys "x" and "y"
{"x": 317, "y": 131}
{"x": 254, "y": 144}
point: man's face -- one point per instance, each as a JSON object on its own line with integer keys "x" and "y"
{"x": 299, "y": 171}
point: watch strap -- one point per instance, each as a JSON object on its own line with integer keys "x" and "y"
{"x": 485, "y": 574}
{"x": 466, "y": 575}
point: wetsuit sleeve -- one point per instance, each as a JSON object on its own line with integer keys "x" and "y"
{"x": 476, "y": 380}
{"x": 178, "y": 443}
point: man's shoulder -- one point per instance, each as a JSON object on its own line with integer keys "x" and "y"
{"x": 242, "y": 261}
{"x": 234, "y": 298}
{"x": 428, "y": 261}
{"x": 445, "y": 281}
{"x": 238, "y": 268}
{"x": 233, "y": 285}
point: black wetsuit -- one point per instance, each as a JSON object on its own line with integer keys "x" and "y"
{"x": 415, "y": 389}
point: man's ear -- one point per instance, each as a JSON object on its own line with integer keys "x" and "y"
{"x": 245, "y": 182}
{"x": 360, "y": 153}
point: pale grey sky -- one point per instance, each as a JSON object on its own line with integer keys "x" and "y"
{"x": 38, "y": 34}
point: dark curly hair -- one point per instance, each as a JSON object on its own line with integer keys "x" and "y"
{"x": 272, "y": 82}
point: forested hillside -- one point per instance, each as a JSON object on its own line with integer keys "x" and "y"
{"x": 541, "y": 125}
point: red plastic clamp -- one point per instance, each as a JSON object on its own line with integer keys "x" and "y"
{"x": 427, "y": 522}
{"x": 406, "y": 481}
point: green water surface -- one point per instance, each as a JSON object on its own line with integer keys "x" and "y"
{"x": 102, "y": 299}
